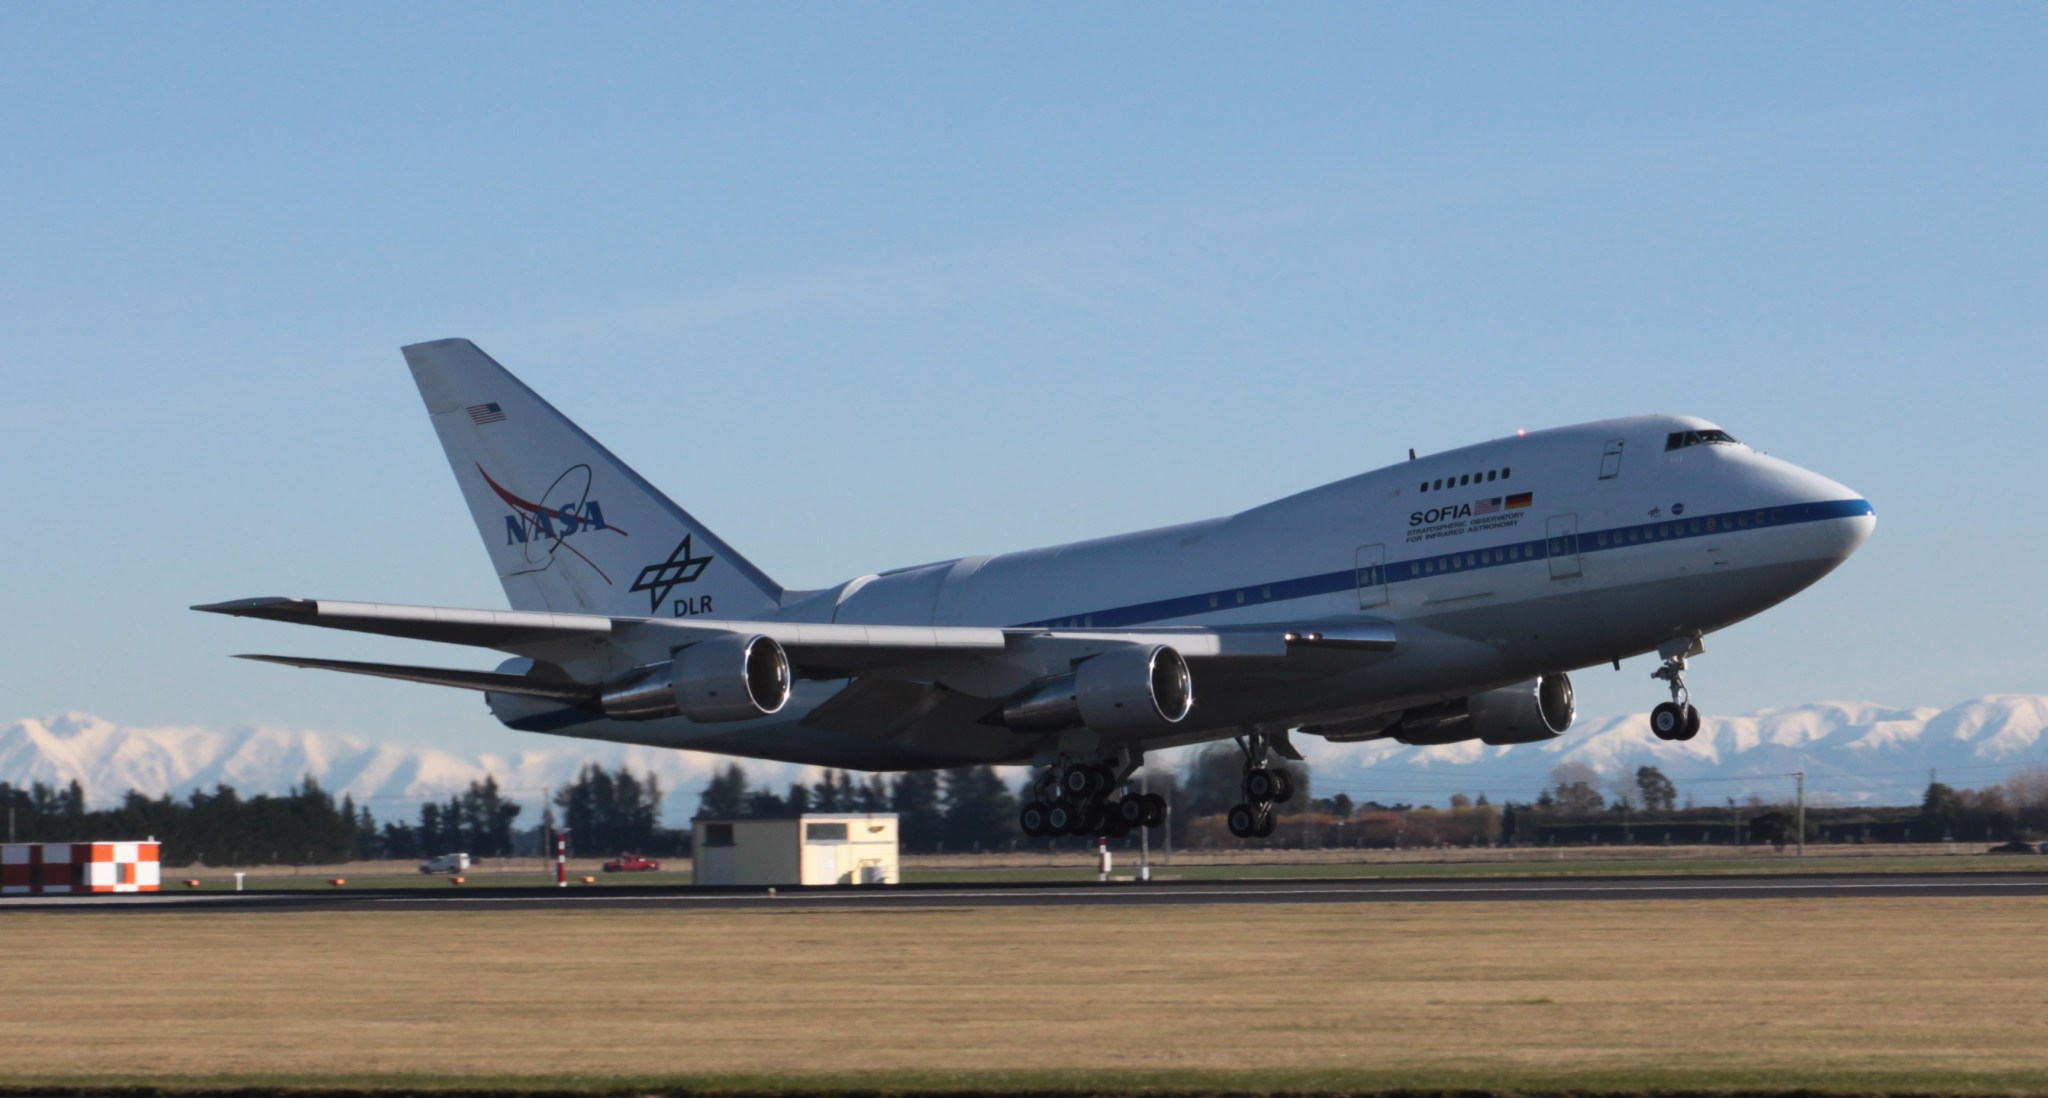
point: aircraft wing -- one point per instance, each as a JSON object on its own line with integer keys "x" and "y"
{"x": 819, "y": 650}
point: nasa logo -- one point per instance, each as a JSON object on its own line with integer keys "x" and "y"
{"x": 564, "y": 511}
{"x": 1678, "y": 508}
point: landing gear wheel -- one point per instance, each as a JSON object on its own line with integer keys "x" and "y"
{"x": 1132, "y": 811}
{"x": 1105, "y": 780}
{"x": 1155, "y": 809}
{"x": 1243, "y": 822}
{"x": 1692, "y": 722}
{"x": 1063, "y": 818}
{"x": 1283, "y": 787}
{"x": 1093, "y": 817}
{"x": 1032, "y": 819}
{"x": 1260, "y": 786}
{"x": 1265, "y": 826}
{"x": 1078, "y": 781}
{"x": 1668, "y": 721}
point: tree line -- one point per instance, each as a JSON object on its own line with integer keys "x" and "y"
{"x": 606, "y": 811}
{"x": 973, "y": 808}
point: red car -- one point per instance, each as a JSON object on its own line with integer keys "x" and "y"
{"x": 631, "y": 863}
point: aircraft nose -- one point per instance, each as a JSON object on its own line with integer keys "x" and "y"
{"x": 1840, "y": 518}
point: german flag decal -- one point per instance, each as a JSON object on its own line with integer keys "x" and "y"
{"x": 1520, "y": 499}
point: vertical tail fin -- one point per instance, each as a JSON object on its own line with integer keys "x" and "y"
{"x": 571, "y": 528}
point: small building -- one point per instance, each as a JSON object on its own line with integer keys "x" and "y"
{"x": 44, "y": 868}
{"x": 816, "y": 848}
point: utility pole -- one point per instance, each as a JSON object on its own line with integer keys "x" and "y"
{"x": 1802, "y": 812}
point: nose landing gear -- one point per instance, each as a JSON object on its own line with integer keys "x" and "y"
{"x": 1264, "y": 785}
{"x": 1677, "y": 719}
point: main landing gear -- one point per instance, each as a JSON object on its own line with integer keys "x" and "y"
{"x": 1081, "y": 798}
{"x": 1677, "y": 719}
{"x": 1264, "y": 786}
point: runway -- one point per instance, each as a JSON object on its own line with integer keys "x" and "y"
{"x": 1123, "y": 893}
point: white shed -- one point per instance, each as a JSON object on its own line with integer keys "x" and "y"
{"x": 816, "y": 848}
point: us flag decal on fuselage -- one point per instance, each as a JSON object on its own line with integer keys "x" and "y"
{"x": 1486, "y": 506}
{"x": 486, "y": 413}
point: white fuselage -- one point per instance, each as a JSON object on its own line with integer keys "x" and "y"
{"x": 1523, "y": 556}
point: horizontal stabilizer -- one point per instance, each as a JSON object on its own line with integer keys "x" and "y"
{"x": 571, "y": 692}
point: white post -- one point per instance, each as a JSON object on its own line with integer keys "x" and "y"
{"x": 238, "y": 881}
{"x": 1802, "y": 812}
{"x": 1144, "y": 835}
{"x": 1102, "y": 858}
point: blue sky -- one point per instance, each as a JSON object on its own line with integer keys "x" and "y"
{"x": 869, "y": 286}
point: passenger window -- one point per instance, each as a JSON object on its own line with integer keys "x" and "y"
{"x": 1424, "y": 488}
{"x": 1506, "y": 471}
{"x": 1464, "y": 480}
{"x": 1439, "y": 485}
{"x": 1490, "y": 475}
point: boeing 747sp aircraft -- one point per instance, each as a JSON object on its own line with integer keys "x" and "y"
{"x": 1437, "y": 600}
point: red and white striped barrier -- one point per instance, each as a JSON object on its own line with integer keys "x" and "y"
{"x": 47, "y": 868}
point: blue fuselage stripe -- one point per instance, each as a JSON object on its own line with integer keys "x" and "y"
{"x": 1463, "y": 561}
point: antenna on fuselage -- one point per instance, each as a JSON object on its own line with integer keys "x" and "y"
{"x": 1411, "y": 453}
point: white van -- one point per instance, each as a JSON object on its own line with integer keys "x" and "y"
{"x": 446, "y": 863}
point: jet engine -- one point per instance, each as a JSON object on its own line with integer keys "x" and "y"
{"x": 1133, "y": 690}
{"x": 729, "y": 678}
{"x": 1528, "y": 712}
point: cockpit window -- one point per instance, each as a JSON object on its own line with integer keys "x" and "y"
{"x": 1679, "y": 440}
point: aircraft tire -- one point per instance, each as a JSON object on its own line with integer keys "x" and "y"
{"x": 1078, "y": 781}
{"x": 1032, "y": 819}
{"x": 1692, "y": 722}
{"x": 1283, "y": 786}
{"x": 1155, "y": 809}
{"x": 1243, "y": 821}
{"x": 1259, "y": 786}
{"x": 1667, "y": 721}
{"x": 1132, "y": 811}
{"x": 1063, "y": 818}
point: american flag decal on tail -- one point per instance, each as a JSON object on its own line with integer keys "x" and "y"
{"x": 486, "y": 413}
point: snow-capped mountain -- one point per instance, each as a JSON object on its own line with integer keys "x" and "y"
{"x": 391, "y": 779}
{"x": 1852, "y": 753}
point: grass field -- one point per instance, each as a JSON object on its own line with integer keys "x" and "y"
{"x": 1876, "y": 995}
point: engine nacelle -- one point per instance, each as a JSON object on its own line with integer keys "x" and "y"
{"x": 729, "y": 678}
{"x": 1126, "y": 691}
{"x": 1527, "y": 712}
